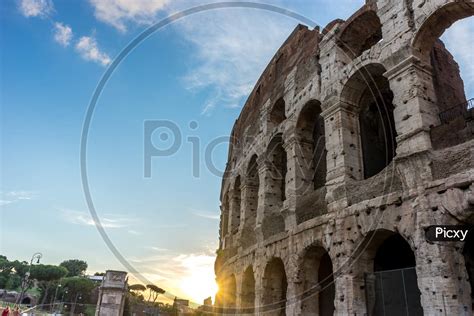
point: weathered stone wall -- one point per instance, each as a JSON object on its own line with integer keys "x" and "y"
{"x": 112, "y": 294}
{"x": 309, "y": 105}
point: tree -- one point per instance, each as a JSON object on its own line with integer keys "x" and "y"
{"x": 47, "y": 277}
{"x": 75, "y": 267}
{"x": 154, "y": 292}
{"x": 79, "y": 289}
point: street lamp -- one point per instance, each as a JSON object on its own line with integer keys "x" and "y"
{"x": 53, "y": 304}
{"x": 25, "y": 281}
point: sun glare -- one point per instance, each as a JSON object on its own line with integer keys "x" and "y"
{"x": 199, "y": 283}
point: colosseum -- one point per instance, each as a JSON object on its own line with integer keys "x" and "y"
{"x": 355, "y": 140}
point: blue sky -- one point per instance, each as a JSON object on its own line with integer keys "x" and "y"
{"x": 199, "y": 69}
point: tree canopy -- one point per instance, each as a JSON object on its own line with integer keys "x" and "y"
{"x": 75, "y": 267}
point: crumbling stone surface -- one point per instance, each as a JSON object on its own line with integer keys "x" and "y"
{"x": 340, "y": 161}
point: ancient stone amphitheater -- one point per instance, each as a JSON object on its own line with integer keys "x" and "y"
{"x": 355, "y": 139}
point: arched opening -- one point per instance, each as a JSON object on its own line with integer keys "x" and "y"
{"x": 229, "y": 294}
{"x": 318, "y": 291}
{"x": 468, "y": 252}
{"x": 454, "y": 96}
{"x": 225, "y": 216}
{"x": 310, "y": 127}
{"x": 236, "y": 201}
{"x": 250, "y": 199}
{"x": 274, "y": 288}
{"x": 248, "y": 292}
{"x": 369, "y": 91}
{"x": 392, "y": 288}
{"x": 273, "y": 222}
{"x": 277, "y": 114}
{"x": 26, "y": 301}
{"x": 360, "y": 32}
{"x": 278, "y": 167}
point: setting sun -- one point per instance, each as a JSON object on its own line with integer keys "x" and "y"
{"x": 199, "y": 283}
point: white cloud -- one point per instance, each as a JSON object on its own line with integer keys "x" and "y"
{"x": 36, "y": 8}
{"x": 458, "y": 40}
{"x": 88, "y": 49}
{"x": 16, "y": 196}
{"x": 232, "y": 48}
{"x": 118, "y": 12}
{"x": 107, "y": 221}
{"x": 205, "y": 214}
{"x": 62, "y": 34}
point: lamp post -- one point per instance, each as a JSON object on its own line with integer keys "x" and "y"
{"x": 25, "y": 281}
{"x": 53, "y": 304}
{"x": 73, "y": 308}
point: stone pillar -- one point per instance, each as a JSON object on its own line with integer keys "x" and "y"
{"x": 112, "y": 294}
{"x": 344, "y": 154}
{"x": 415, "y": 113}
{"x": 297, "y": 174}
{"x": 442, "y": 279}
{"x": 350, "y": 295}
{"x": 292, "y": 278}
{"x": 259, "y": 293}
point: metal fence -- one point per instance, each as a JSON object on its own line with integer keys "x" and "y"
{"x": 460, "y": 110}
{"x": 393, "y": 292}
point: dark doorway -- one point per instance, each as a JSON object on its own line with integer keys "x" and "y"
{"x": 393, "y": 288}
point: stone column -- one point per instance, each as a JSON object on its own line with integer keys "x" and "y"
{"x": 442, "y": 279}
{"x": 415, "y": 113}
{"x": 292, "y": 278}
{"x": 298, "y": 173}
{"x": 263, "y": 175}
{"x": 112, "y": 293}
{"x": 344, "y": 154}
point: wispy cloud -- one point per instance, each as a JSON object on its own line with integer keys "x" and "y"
{"x": 88, "y": 49}
{"x": 232, "y": 49}
{"x": 36, "y": 8}
{"x": 458, "y": 40}
{"x": 16, "y": 196}
{"x": 119, "y": 13}
{"x": 107, "y": 221}
{"x": 62, "y": 34}
{"x": 205, "y": 214}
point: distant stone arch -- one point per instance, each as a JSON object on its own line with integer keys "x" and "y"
{"x": 274, "y": 288}
{"x": 368, "y": 93}
{"x": 317, "y": 290}
{"x": 310, "y": 127}
{"x": 360, "y": 32}
{"x": 277, "y": 113}
{"x": 248, "y": 292}
{"x": 437, "y": 22}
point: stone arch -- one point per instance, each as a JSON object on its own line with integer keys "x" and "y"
{"x": 360, "y": 32}
{"x": 391, "y": 281}
{"x": 311, "y": 130}
{"x": 236, "y": 205}
{"x": 437, "y": 22}
{"x": 248, "y": 291}
{"x": 225, "y": 215}
{"x": 317, "y": 290}
{"x": 275, "y": 187}
{"x": 367, "y": 93}
{"x": 277, "y": 113}
{"x": 275, "y": 286}
{"x": 252, "y": 184}
{"x": 249, "y": 200}
{"x": 229, "y": 294}
{"x": 277, "y": 161}
{"x": 468, "y": 253}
